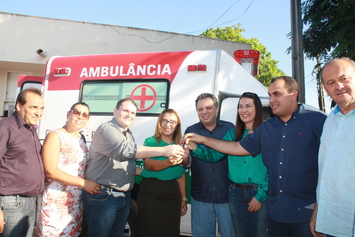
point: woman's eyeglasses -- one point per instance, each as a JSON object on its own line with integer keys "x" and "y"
{"x": 165, "y": 121}
{"x": 77, "y": 113}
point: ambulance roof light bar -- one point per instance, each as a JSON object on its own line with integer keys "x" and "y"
{"x": 61, "y": 72}
{"x": 199, "y": 67}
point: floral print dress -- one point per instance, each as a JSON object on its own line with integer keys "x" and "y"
{"x": 60, "y": 210}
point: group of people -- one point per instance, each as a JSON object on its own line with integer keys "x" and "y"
{"x": 288, "y": 176}
{"x": 308, "y": 158}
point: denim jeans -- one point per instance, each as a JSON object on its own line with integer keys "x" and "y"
{"x": 278, "y": 229}
{"x": 20, "y": 214}
{"x": 106, "y": 212}
{"x": 247, "y": 224}
{"x": 203, "y": 219}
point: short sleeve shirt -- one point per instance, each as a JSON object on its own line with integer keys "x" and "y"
{"x": 169, "y": 173}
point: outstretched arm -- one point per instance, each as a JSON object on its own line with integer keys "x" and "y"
{"x": 226, "y": 147}
{"x": 171, "y": 150}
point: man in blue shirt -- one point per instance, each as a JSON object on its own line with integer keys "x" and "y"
{"x": 334, "y": 214}
{"x": 210, "y": 183}
{"x": 289, "y": 143}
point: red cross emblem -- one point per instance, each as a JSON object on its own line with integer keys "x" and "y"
{"x": 145, "y": 97}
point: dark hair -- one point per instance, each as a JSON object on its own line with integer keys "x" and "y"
{"x": 259, "y": 115}
{"x": 21, "y": 97}
{"x": 119, "y": 103}
{"x": 79, "y": 103}
{"x": 72, "y": 108}
{"x": 206, "y": 95}
{"x": 177, "y": 132}
{"x": 291, "y": 83}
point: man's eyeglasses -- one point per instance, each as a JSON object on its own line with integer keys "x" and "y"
{"x": 165, "y": 121}
{"x": 77, "y": 113}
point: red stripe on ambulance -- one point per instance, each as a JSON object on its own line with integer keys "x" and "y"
{"x": 113, "y": 66}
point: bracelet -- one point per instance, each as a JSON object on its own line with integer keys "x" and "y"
{"x": 184, "y": 199}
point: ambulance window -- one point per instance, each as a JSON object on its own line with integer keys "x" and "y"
{"x": 151, "y": 96}
{"x": 29, "y": 84}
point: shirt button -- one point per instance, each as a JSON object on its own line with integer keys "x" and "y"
{"x": 281, "y": 163}
{"x": 283, "y": 136}
{"x": 282, "y": 149}
{"x": 281, "y": 191}
{"x": 280, "y": 177}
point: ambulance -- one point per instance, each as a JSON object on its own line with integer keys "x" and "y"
{"x": 154, "y": 80}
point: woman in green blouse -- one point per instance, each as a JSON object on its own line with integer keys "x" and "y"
{"x": 248, "y": 175}
{"x": 162, "y": 195}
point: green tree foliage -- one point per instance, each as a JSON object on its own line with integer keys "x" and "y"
{"x": 267, "y": 67}
{"x": 331, "y": 28}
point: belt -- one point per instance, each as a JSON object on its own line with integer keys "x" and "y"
{"x": 244, "y": 186}
{"x": 110, "y": 189}
{"x": 18, "y": 195}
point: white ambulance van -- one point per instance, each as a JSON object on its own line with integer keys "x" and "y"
{"x": 155, "y": 80}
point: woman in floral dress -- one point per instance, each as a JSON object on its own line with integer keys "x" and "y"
{"x": 65, "y": 156}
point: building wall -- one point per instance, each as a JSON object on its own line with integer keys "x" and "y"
{"x": 21, "y": 36}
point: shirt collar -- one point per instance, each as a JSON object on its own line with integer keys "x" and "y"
{"x": 337, "y": 111}
{"x": 21, "y": 123}
{"x": 299, "y": 110}
{"x": 120, "y": 128}
{"x": 200, "y": 125}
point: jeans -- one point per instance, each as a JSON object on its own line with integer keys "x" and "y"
{"x": 247, "y": 224}
{"x": 203, "y": 219}
{"x": 106, "y": 212}
{"x": 278, "y": 229}
{"x": 20, "y": 214}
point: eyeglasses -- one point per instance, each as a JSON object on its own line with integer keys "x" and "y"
{"x": 165, "y": 121}
{"x": 77, "y": 113}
